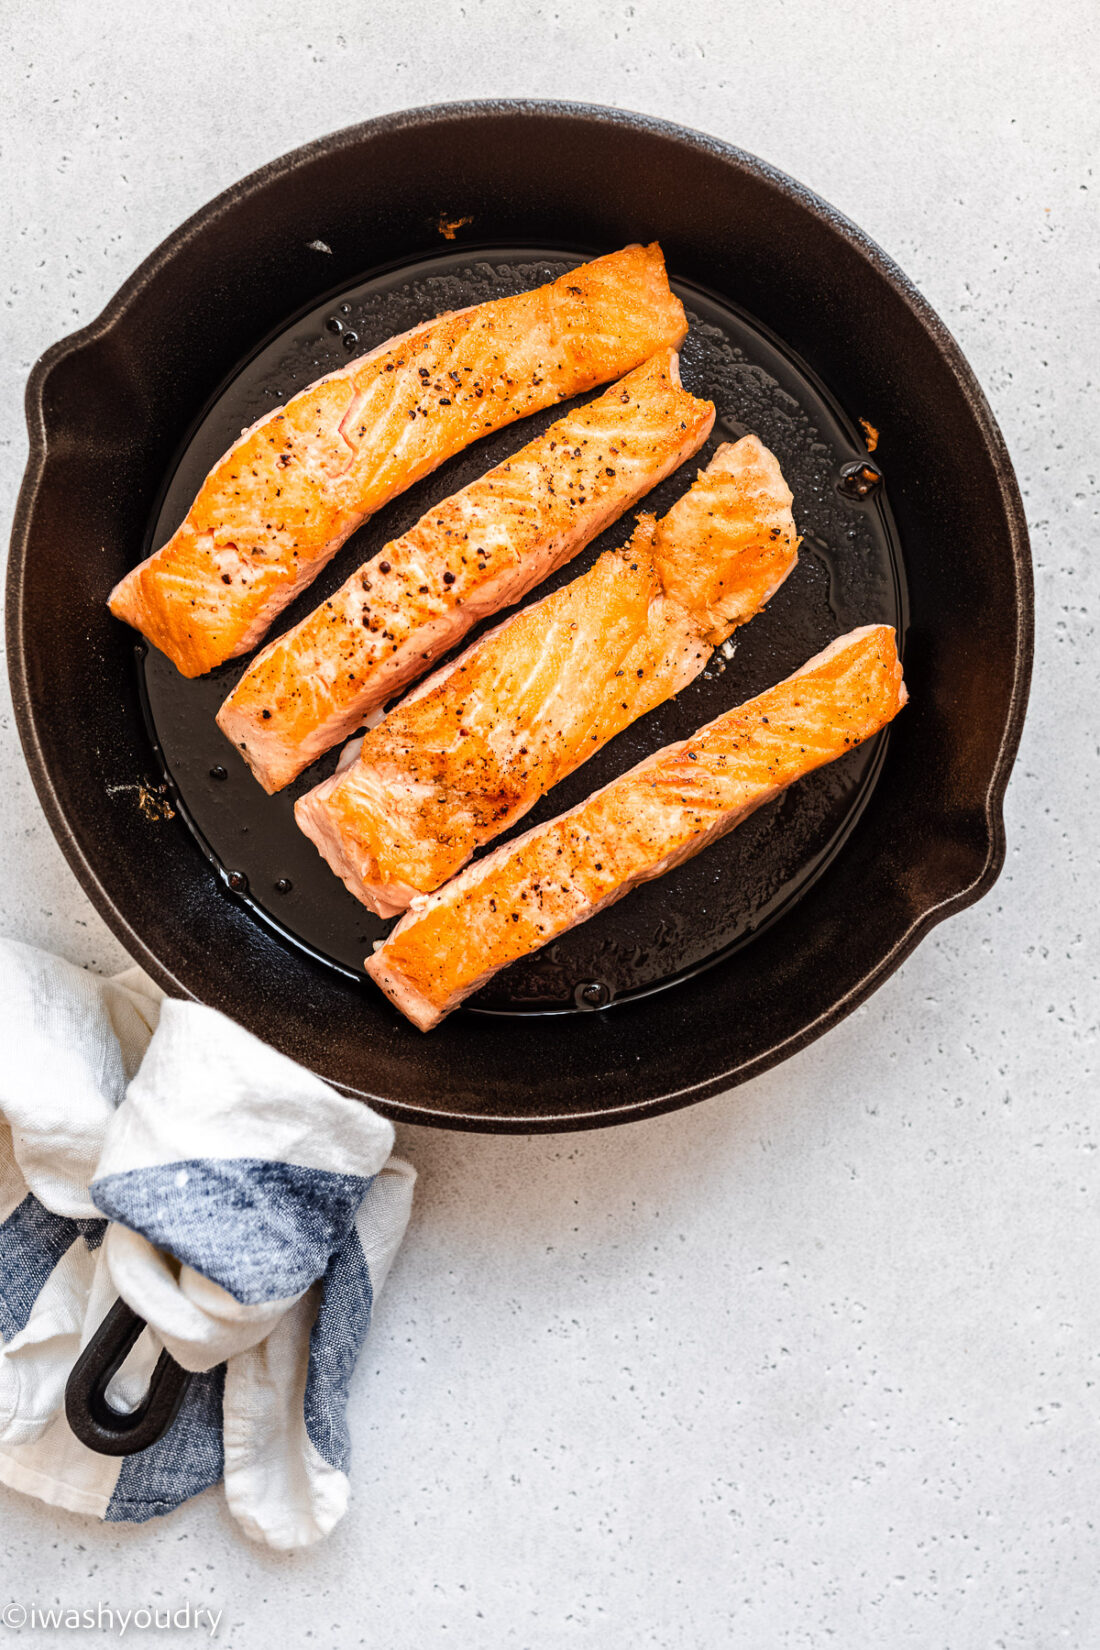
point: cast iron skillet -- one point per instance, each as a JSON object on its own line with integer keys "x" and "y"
{"x": 118, "y": 412}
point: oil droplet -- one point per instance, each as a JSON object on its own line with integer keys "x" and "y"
{"x": 350, "y": 340}
{"x": 345, "y": 309}
{"x": 592, "y": 994}
{"x": 334, "y": 325}
{"x": 219, "y": 772}
{"x": 237, "y": 881}
{"x": 284, "y": 885}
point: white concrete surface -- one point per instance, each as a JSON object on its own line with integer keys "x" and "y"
{"x": 817, "y": 1363}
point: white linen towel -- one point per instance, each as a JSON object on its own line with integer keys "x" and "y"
{"x": 152, "y": 1149}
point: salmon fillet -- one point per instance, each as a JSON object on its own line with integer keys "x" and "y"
{"x": 472, "y": 749}
{"x": 281, "y": 502}
{"x": 529, "y": 892}
{"x": 477, "y": 552}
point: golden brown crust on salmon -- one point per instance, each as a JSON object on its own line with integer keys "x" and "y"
{"x": 281, "y": 502}
{"x": 472, "y": 749}
{"x": 529, "y": 892}
{"x": 474, "y": 553}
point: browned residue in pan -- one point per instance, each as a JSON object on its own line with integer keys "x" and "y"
{"x": 449, "y": 227}
{"x": 151, "y": 799}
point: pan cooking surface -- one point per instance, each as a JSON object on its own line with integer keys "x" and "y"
{"x": 849, "y": 573}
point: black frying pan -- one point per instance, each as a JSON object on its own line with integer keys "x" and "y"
{"x": 801, "y": 329}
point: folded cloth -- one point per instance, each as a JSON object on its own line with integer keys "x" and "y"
{"x": 152, "y": 1149}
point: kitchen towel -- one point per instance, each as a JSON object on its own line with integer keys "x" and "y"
{"x": 155, "y": 1150}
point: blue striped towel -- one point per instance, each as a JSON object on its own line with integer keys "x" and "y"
{"x": 152, "y": 1149}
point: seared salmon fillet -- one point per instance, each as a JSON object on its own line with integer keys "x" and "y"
{"x": 529, "y": 892}
{"x": 472, "y": 749}
{"x": 477, "y": 552}
{"x": 284, "y": 498}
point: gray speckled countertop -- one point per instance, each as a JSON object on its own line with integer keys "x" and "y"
{"x": 817, "y": 1363}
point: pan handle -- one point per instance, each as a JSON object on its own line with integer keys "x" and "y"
{"x": 96, "y": 1421}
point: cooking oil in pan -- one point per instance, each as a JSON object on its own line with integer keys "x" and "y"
{"x": 849, "y": 573}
